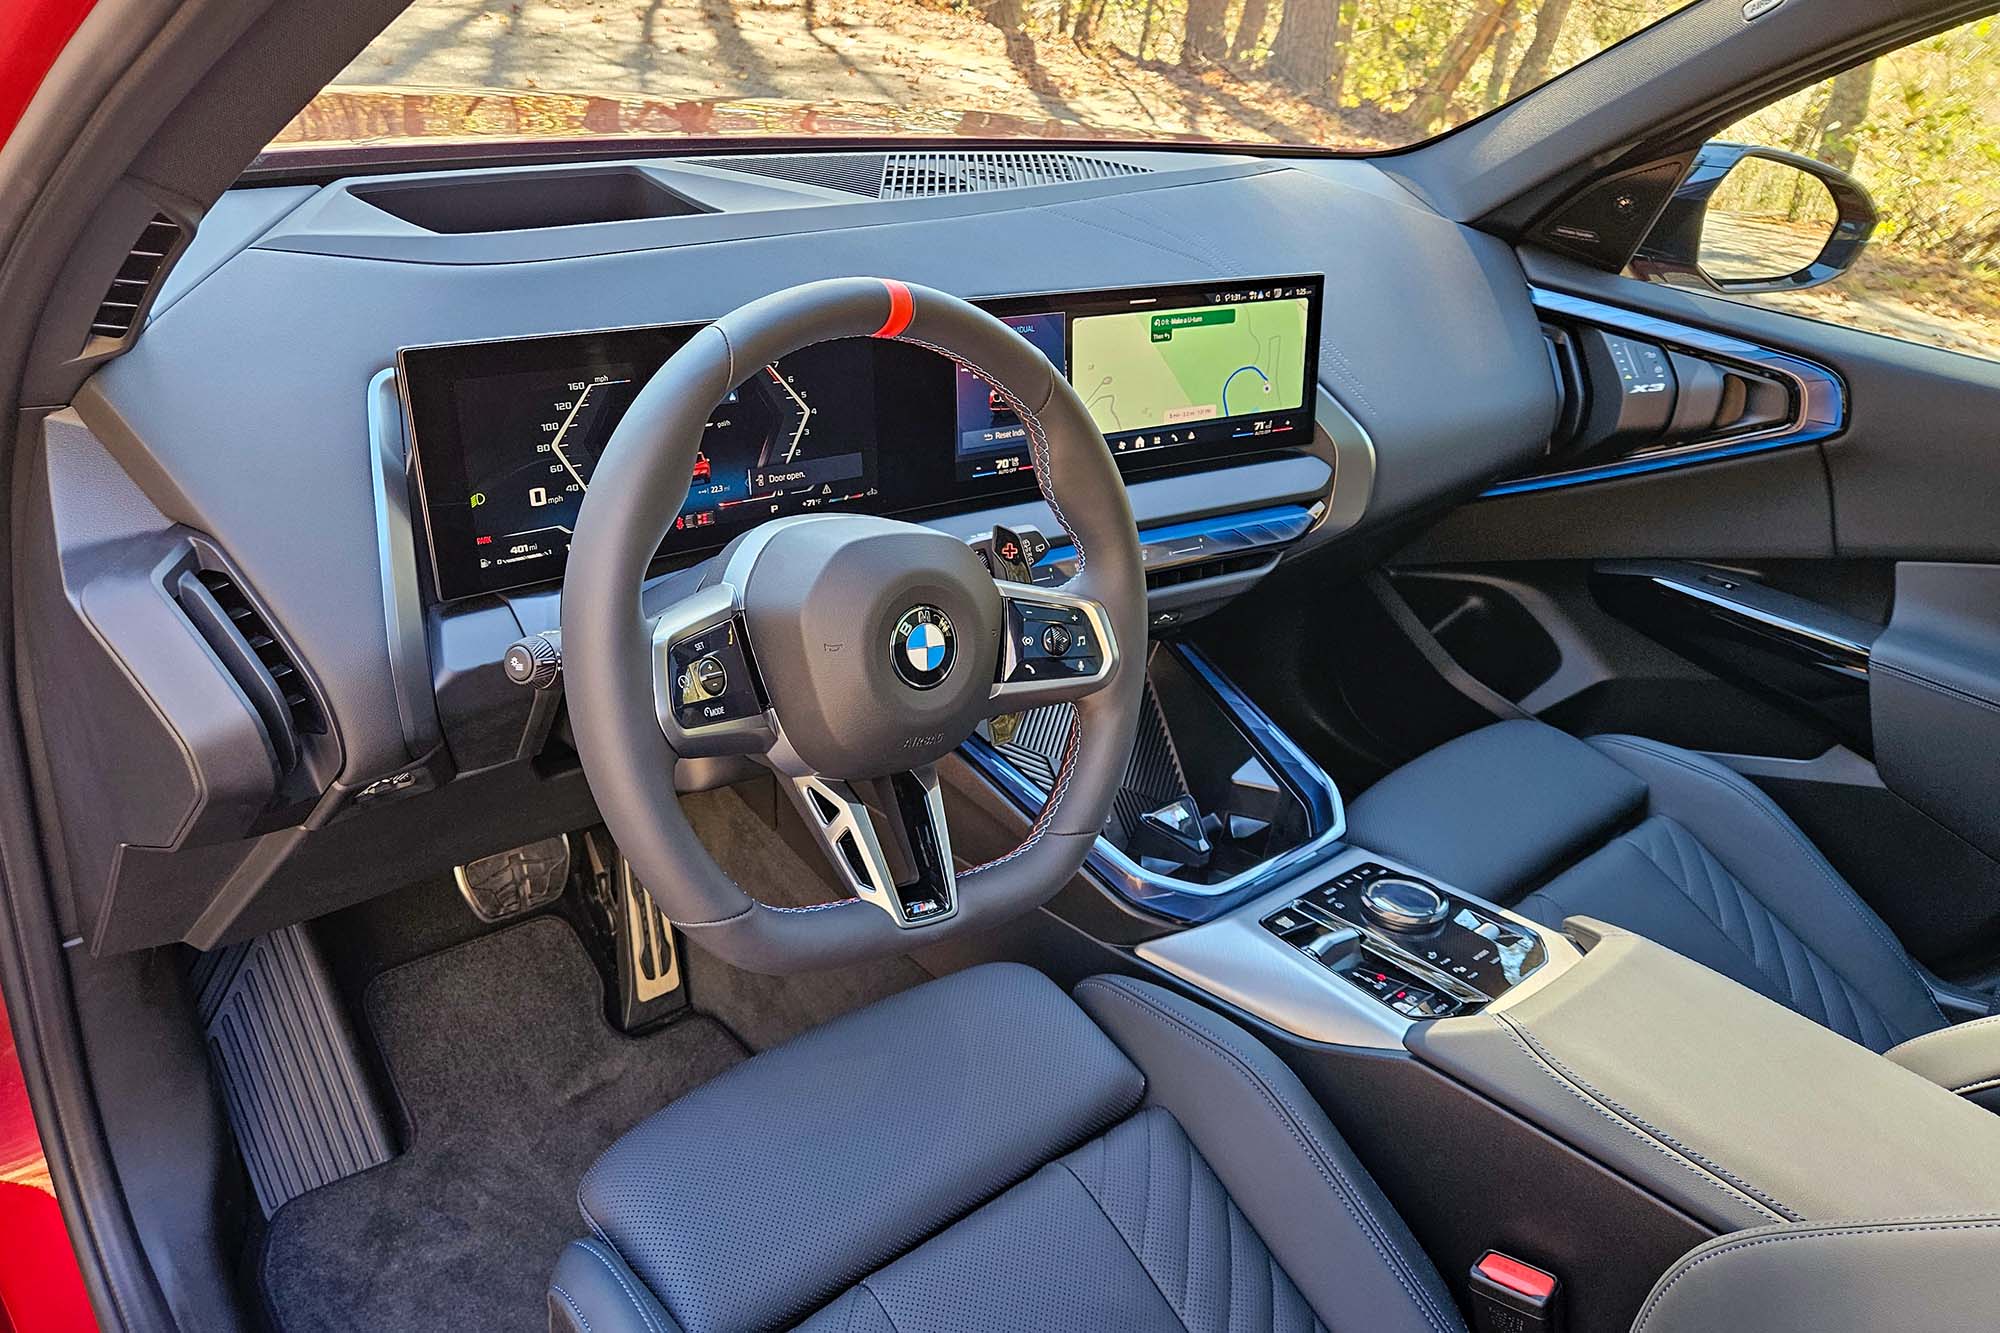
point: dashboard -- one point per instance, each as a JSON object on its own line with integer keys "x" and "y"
{"x": 331, "y": 407}
{"x": 507, "y": 433}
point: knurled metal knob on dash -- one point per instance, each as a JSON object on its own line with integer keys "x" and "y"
{"x": 535, "y": 661}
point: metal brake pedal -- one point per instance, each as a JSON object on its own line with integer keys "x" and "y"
{"x": 510, "y": 884}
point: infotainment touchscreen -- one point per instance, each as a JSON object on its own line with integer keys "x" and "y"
{"x": 507, "y": 434}
{"x": 1160, "y": 369}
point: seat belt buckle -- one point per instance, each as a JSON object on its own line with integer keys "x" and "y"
{"x": 1509, "y": 1296}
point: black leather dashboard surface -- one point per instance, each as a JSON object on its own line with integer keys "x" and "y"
{"x": 242, "y": 411}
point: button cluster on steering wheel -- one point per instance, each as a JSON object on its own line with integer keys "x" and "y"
{"x": 1049, "y": 641}
{"x": 713, "y": 682}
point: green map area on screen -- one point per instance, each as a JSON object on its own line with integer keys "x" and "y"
{"x": 1149, "y": 368}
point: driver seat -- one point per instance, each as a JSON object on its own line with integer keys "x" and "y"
{"x": 982, "y": 1152}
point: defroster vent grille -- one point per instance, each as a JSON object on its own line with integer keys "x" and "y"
{"x": 927, "y": 174}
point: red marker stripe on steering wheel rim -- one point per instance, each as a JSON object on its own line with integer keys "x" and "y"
{"x": 901, "y": 307}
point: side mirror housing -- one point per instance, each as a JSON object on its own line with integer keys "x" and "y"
{"x": 1746, "y": 220}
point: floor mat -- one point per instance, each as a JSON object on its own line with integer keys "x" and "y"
{"x": 512, "y": 1084}
{"x": 765, "y": 1011}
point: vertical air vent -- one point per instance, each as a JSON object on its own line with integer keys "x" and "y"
{"x": 921, "y": 175}
{"x": 118, "y": 314}
{"x": 233, "y": 627}
{"x": 299, "y": 705}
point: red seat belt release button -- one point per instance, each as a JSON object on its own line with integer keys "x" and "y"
{"x": 1509, "y": 1296}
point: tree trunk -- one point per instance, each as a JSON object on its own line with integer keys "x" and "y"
{"x": 1535, "y": 63}
{"x": 1310, "y": 50}
{"x": 1846, "y": 110}
{"x": 1204, "y": 42}
{"x": 1088, "y": 14}
{"x": 1503, "y": 56}
{"x": 1459, "y": 58}
{"x": 1146, "y": 29}
{"x": 1250, "y": 28}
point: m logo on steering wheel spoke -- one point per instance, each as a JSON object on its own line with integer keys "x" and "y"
{"x": 923, "y": 647}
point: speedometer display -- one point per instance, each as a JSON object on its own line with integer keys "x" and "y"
{"x": 506, "y": 436}
{"x": 794, "y": 437}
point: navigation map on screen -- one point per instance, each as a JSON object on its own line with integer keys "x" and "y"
{"x": 1141, "y": 370}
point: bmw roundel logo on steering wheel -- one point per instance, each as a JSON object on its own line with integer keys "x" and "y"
{"x": 923, "y": 646}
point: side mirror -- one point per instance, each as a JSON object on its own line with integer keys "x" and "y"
{"x": 1748, "y": 219}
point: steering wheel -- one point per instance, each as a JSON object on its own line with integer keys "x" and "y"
{"x": 848, "y": 652}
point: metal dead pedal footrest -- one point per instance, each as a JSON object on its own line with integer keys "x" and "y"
{"x": 515, "y": 882}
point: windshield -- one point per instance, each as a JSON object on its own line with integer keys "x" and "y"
{"x": 1351, "y": 75}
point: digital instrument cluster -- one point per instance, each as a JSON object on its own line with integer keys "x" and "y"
{"x": 507, "y": 434}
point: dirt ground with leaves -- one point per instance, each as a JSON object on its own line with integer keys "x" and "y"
{"x": 945, "y": 54}
{"x": 907, "y": 52}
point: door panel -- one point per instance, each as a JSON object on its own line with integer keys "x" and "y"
{"x": 1853, "y": 527}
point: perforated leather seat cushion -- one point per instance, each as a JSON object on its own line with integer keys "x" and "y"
{"x": 980, "y": 1153}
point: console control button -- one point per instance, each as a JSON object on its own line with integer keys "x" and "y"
{"x": 1404, "y": 904}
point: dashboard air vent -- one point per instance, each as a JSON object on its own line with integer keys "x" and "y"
{"x": 233, "y": 627}
{"x": 922, "y": 175}
{"x": 925, "y": 175}
{"x": 118, "y": 314}
{"x": 1210, "y": 569}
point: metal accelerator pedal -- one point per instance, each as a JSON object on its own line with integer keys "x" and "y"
{"x": 630, "y": 939}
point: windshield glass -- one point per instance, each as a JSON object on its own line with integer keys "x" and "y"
{"x": 1351, "y": 75}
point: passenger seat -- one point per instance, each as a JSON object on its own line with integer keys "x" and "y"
{"x": 1661, "y": 842}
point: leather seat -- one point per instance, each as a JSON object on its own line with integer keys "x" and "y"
{"x": 982, "y": 1152}
{"x": 1662, "y": 842}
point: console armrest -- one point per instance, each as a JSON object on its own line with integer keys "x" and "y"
{"x": 1964, "y": 1058}
{"x": 1732, "y": 1107}
{"x": 1834, "y": 1277}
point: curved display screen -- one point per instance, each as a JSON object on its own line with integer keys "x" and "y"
{"x": 507, "y": 434}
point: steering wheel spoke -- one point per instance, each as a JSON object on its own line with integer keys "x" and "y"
{"x": 1057, "y": 647}
{"x": 706, "y": 691}
{"x": 887, "y": 841}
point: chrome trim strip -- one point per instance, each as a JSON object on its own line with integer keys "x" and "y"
{"x": 1178, "y": 899}
{"x": 1237, "y": 960}
{"x": 851, "y": 817}
{"x": 1268, "y": 529}
{"x": 1821, "y": 396}
{"x": 1353, "y": 465}
{"x": 1857, "y": 653}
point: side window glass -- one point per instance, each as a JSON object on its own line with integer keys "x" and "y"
{"x": 1914, "y": 138}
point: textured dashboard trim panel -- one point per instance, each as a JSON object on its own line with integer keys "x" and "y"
{"x": 1821, "y": 409}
